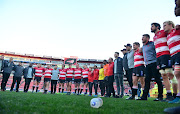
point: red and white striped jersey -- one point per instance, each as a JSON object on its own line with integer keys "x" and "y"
{"x": 69, "y": 72}
{"x": 85, "y": 73}
{"x": 62, "y": 74}
{"x": 173, "y": 41}
{"x": 39, "y": 71}
{"x": 138, "y": 58}
{"x": 47, "y": 73}
{"x": 77, "y": 73}
{"x": 160, "y": 42}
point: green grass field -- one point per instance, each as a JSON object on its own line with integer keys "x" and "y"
{"x": 12, "y": 102}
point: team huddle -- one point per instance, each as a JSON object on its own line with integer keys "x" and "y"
{"x": 155, "y": 59}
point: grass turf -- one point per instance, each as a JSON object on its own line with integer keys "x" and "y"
{"x": 12, "y": 102}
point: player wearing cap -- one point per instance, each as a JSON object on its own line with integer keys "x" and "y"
{"x": 38, "y": 74}
{"x": 69, "y": 76}
{"x": 163, "y": 59}
{"x": 138, "y": 72}
{"x": 84, "y": 79}
{"x": 130, "y": 61}
{"x": 77, "y": 78}
{"x": 173, "y": 41}
{"x": 62, "y": 78}
{"x": 47, "y": 77}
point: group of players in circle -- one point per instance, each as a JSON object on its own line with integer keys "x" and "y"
{"x": 160, "y": 57}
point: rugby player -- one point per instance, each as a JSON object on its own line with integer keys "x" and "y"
{"x": 77, "y": 78}
{"x": 84, "y": 79}
{"x": 69, "y": 76}
{"x": 138, "y": 72}
{"x": 62, "y": 78}
{"x": 47, "y": 77}
{"x": 38, "y": 74}
{"x": 163, "y": 58}
{"x": 173, "y": 41}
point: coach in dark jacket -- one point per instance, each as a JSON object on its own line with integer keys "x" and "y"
{"x": 18, "y": 72}
{"x": 7, "y": 69}
{"x": 28, "y": 75}
{"x": 118, "y": 73}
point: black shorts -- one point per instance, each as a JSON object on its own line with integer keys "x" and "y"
{"x": 77, "y": 80}
{"x": 47, "y": 79}
{"x": 163, "y": 62}
{"x": 62, "y": 81}
{"x": 68, "y": 79}
{"x": 85, "y": 80}
{"x": 38, "y": 79}
{"x": 139, "y": 71}
{"x": 175, "y": 59}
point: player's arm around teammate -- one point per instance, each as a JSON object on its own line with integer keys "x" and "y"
{"x": 138, "y": 71}
{"x": 173, "y": 41}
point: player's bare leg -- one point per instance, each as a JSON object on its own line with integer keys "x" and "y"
{"x": 70, "y": 84}
{"x": 47, "y": 86}
{"x": 75, "y": 87}
{"x": 78, "y": 87}
{"x": 177, "y": 74}
{"x": 62, "y": 87}
{"x": 86, "y": 85}
{"x": 34, "y": 84}
{"x": 82, "y": 87}
{"x": 142, "y": 81}
{"x": 173, "y": 79}
{"x": 37, "y": 86}
{"x": 134, "y": 88}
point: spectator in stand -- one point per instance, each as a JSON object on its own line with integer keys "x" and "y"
{"x": 110, "y": 75}
{"x": 7, "y": 69}
{"x": 95, "y": 79}
{"x": 28, "y": 73}
{"x": 54, "y": 79}
{"x": 101, "y": 80}
{"x": 17, "y": 76}
{"x": 90, "y": 81}
{"x": 118, "y": 74}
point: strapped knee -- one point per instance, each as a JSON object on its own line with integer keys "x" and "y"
{"x": 169, "y": 70}
{"x": 174, "y": 80}
{"x": 162, "y": 72}
{"x": 177, "y": 68}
